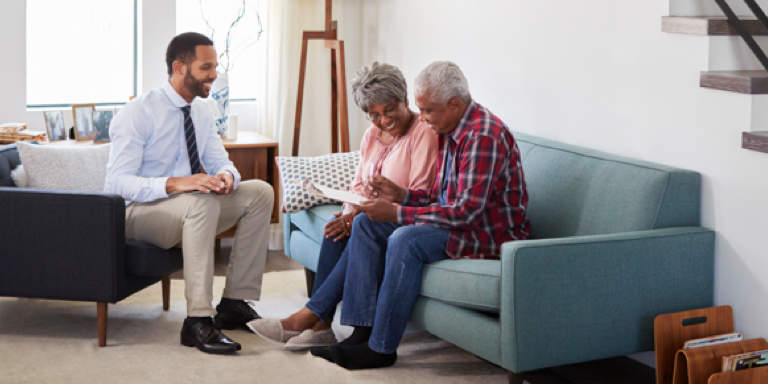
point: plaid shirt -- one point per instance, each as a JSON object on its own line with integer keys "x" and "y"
{"x": 486, "y": 198}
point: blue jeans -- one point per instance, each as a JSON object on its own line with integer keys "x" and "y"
{"x": 332, "y": 270}
{"x": 383, "y": 276}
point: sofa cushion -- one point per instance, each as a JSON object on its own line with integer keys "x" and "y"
{"x": 474, "y": 284}
{"x": 577, "y": 191}
{"x": 65, "y": 167}
{"x": 142, "y": 259}
{"x": 312, "y": 221}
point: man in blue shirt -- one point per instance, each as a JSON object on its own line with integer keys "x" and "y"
{"x": 180, "y": 188}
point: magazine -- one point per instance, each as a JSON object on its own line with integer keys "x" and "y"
{"x": 745, "y": 360}
{"x": 712, "y": 340}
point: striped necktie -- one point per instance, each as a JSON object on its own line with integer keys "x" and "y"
{"x": 189, "y": 134}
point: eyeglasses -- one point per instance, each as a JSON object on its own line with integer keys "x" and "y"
{"x": 389, "y": 112}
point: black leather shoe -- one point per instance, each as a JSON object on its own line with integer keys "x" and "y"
{"x": 203, "y": 335}
{"x": 233, "y": 314}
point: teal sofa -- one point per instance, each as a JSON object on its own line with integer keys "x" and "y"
{"x": 615, "y": 242}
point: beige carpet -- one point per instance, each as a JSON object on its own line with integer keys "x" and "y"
{"x": 45, "y": 341}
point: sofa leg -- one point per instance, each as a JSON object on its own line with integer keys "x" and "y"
{"x": 101, "y": 315}
{"x": 310, "y": 276}
{"x": 166, "y": 284}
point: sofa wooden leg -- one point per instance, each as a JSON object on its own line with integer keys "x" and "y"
{"x": 101, "y": 315}
{"x": 310, "y": 276}
{"x": 166, "y": 284}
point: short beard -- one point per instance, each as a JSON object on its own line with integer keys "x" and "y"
{"x": 194, "y": 86}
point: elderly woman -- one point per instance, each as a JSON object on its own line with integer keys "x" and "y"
{"x": 399, "y": 146}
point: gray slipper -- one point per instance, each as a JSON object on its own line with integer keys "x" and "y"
{"x": 270, "y": 329}
{"x": 310, "y": 338}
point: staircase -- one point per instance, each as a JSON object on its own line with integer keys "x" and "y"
{"x": 732, "y": 66}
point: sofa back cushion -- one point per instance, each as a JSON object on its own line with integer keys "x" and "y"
{"x": 577, "y": 191}
{"x": 9, "y": 159}
{"x": 76, "y": 167}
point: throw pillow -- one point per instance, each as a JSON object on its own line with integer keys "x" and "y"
{"x": 336, "y": 170}
{"x": 76, "y": 167}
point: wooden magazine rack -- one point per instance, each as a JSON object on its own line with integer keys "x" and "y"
{"x": 338, "y": 84}
{"x": 702, "y": 365}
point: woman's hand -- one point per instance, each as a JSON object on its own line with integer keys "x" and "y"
{"x": 383, "y": 188}
{"x": 340, "y": 227}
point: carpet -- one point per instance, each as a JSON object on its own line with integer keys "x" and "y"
{"x": 45, "y": 341}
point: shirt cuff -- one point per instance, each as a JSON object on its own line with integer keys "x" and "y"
{"x": 159, "y": 188}
{"x": 401, "y": 215}
{"x": 407, "y": 199}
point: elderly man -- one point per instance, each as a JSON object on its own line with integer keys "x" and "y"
{"x": 478, "y": 202}
{"x": 161, "y": 142}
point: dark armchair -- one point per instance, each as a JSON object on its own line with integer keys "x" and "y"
{"x": 72, "y": 246}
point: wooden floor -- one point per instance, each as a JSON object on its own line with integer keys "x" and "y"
{"x": 620, "y": 370}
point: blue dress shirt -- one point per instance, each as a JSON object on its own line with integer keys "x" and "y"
{"x": 148, "y": 145}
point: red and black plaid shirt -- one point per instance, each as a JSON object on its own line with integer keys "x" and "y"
{"x": 486, "y": 199}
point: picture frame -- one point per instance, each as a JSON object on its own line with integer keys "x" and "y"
{"x": 82, "y": 117}
{"x": 54, "y": 125}
{"x": 101, "y": 122}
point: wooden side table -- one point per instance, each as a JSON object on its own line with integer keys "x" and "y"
{"x": 254, "y": 157}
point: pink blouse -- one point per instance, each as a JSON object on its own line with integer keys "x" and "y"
{"x": 409, "y": 161}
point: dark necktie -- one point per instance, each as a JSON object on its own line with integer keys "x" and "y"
{"x": 189, "y": 134}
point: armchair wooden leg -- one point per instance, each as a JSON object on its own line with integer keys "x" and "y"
{"x": 101, "y": 315}
{"x": 166, "y": 284}
{"x": 310, "y": 276}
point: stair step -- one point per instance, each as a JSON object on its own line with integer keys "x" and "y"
{"x": 708, "y": 25}
{"x": 756, "y": 141}
{"x": 749, "y": 82}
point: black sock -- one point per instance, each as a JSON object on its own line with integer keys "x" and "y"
{"x": 323, "y": 351}
{"x": 194, "y": 320}
{"x": 359, "y": 336}
{"x": 360, "y": 356}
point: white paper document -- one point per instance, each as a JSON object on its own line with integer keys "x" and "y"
{"x": 336, "y": 194}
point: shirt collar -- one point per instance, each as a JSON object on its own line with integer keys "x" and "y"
{"x": 459, "y": 131}
{"x": 173, "y": 96}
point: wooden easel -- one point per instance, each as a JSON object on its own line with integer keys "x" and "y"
{"x": 338, "y": 84}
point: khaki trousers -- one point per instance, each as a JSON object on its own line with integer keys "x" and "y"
{"x": 193, "y": 220}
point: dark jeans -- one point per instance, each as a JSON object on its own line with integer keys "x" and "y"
{"x": 378, "y": 275}
{"x": 331, "y": 272}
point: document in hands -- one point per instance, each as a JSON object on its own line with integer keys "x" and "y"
{"x": 335, "y": 194}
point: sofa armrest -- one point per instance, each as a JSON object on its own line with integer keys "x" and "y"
{"x": 61, "y": 245}
{"x": 589, "y": 297}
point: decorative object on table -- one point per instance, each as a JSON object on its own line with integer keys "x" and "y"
{"x": 82, "y": 116}
{"x": 54, "y": 125}
{"x": 220, "y": 92}
{"x": 13, "y": 132}
{"x": 336, "y": 171}
{"x": 101, "y": 121}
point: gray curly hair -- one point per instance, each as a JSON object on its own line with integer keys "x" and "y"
{"x": 443, "y": 80}
{"x": 379, "y": 84}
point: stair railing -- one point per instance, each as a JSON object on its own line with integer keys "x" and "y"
{"x": 736, "y": 24}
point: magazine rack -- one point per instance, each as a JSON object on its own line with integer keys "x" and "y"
{"x": 675, "y": 365}
{"x": 747, "y": 376}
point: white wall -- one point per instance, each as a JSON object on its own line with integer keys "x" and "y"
{"x": 602, "y": 74}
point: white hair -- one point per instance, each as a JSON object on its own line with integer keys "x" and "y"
{"x": 443, "y": 80}
{"x": 379, "y": 84}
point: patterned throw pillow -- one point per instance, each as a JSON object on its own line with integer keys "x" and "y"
{"x": 336, "y": 170}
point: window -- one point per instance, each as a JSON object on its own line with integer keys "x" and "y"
{"x": 213, "y": 19}
{"x": 80, "y": 51}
